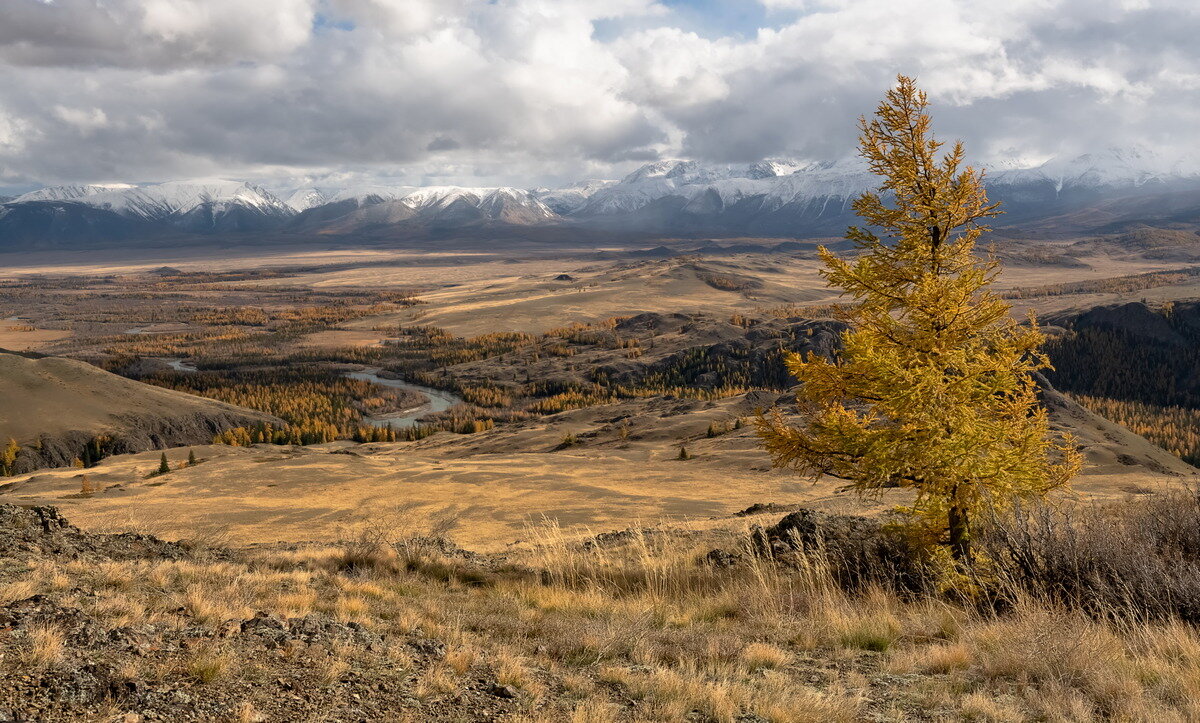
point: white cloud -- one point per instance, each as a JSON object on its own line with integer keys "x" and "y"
{"x": 85, "y": 120}
{"x": 527, "y": 91}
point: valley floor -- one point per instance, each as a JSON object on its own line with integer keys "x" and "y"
{"x": 541, "y": 553}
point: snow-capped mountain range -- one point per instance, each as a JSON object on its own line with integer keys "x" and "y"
{"x": 198, "y": 206}
{"x": 776, "y": 197}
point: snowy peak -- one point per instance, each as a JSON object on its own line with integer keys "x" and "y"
{"x": 692, "y": 172}
{"x": 657, "y": 169}
{"x": 365, "y": 195}
{"x": 493, "y": 202}
{"x": 512, "y": 205}
{"x": 371, "y": 207}
{"x": 707, "y": 189}
{"x": 772, "y": 197}
{"x": 184, "y": 196}
{"x": 72, "y": 192}
{"x": 432, "y": 200}
{"x": 208, "y": 205}
{"x": 1112, "y": 168}
{"x": 158, "y": 201}
{"x": 303, "y": 199}
{"x": 566, "y": 200}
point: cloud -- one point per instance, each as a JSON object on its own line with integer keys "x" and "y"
{"x": 151, "y": 34}
{"x": 530, "y": 92}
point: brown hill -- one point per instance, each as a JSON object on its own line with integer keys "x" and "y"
{"x": 55, "y": 408}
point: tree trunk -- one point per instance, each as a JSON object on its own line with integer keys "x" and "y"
{"x": 960, "y": 534}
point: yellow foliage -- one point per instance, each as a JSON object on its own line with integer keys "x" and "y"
{"x": 933, "y": 389}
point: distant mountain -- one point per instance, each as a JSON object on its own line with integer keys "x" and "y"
{"x": 769, "y": 198}
{"x": 201, "y": 206}
{"x": 437, "y": 207}
{"x": 74, "y": 192}
{"x": 54, "y": 224}
{"x": 787, "y": 198}
{"x": 303, "y": 199}
{"x": 1071, "y": 194}
{"x": 564, "y": 201}
{"x": 1109, "y": 191}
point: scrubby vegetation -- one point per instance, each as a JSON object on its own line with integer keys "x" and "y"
{"x": 642, "y": 625}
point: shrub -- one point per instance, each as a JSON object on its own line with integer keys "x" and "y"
{"x": 1140, "y": 560}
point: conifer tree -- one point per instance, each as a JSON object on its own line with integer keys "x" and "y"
{"x": 8, "y": 457}
{"x": 934, "y": 386}
{"x": 191, "y": 462}
{"x": 163, "y": 465}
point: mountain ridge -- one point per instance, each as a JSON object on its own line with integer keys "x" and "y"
{"x": 772, "y": 197}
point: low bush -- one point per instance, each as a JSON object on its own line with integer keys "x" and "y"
{"x": 1140, "y": 560}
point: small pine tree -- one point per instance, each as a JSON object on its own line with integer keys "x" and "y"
{"x": 934, "y": 386}
{"x": 191, "y": 458}
{"x": 8, "y": 457}
{"x": 683, "y": 453}
{"x": 163, "y": 465}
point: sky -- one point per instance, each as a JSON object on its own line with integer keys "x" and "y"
{"x": 290, "y": 93}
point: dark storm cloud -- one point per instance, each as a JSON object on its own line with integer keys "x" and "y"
{"x": 526, "y": 91}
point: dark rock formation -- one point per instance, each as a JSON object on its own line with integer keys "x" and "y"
{"x": 858, "y": 550}
{"x": 134, "y": 434}
{"x": 39, "y": 531}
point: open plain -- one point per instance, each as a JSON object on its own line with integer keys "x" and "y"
{"x": 576, "y": 534}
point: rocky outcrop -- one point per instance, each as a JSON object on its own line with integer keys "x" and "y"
{"x": 40, "y": 531}
{"x": 720, "y": 353}
{"x": 133, "y": 434}
{"x": 1133, "y": 318}
{"x": 858, "y": 551}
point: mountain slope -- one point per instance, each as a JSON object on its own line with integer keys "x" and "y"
{"x": 61, "y": 405}
{"x": 55, "y": 224}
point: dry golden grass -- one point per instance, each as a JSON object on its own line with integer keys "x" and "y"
{"x": 44, "y": 646}
{"x": 435, "y": 681}
{"x": 333, "y": 669}
{"x": 595, "y": 711}
{"x": 575, "y": 632}
{"x": 461, "y": 659}
{"x": 247, "y": 713}
{"x": 760, "y": 656}
{"x": 209, "y": 663}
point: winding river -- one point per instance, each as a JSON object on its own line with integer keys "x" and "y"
{"x": 437, "y": 400}
{"x": 180, "y": 365}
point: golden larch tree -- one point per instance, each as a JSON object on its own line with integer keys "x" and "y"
{"x": 933, "y": 388}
